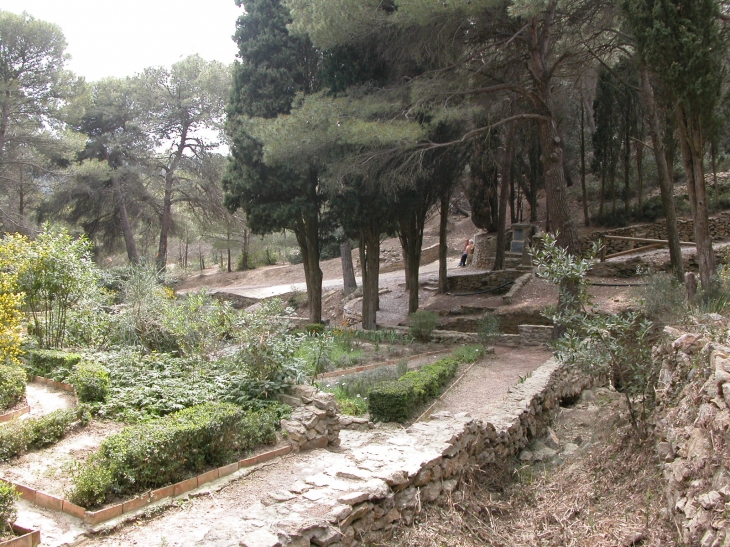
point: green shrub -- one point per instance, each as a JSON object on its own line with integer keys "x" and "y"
{"x": 395, "y": 401}
{"x": 18, "y": 436}
{"x": 488, "y": 328}
{"x": 91, "y": 381}
{"x": 12, "y": 386}
{"x": 54, "y": 272}
{"x": 469, "y": 354}
{"x": 8, "y": 511}
{"x": 314, "y": 328}
{"x": 422, "y": 323}
{"x": 663, "y": 299}
{"x": 351, "y": 390}
{"x": 392, "y": 401}
{"x": 169, "y": 449}
{"x": 50, "y": 363}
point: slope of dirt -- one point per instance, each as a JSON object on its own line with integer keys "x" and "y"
{"x": 598, "y": 487}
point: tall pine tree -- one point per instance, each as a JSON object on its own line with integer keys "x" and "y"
{"x": 273, "y": 67}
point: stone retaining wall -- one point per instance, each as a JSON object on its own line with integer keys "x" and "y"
{"x": 535, "y": 335}
{"x": 385, "y": 482}
{"x": 694, "y": 397}
{"x": 480, "y": 281}
{"x": 314, "y": 421}
{"x": 719, "y": 230}
{"x": 392, "y": 259}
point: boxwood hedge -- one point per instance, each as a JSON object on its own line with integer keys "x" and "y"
{"x": 395, "y": 401}
{"x": 169, "y": 449}
{"x": 18, "y": 436}
{"x": 91, "y": 381}
{"x": 50, "y": 363}
{"x": 12, "y": 386}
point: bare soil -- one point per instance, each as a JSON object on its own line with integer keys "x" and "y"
{"x": 602, "y": 489}
{"x": 44, "y": 399}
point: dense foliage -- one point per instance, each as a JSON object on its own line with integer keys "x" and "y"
{"x": 91, "y": 381}
{"x": 8, "y": 510}
{"x": 610, "y": 346}
{"x": 50, "y": 363}
{"x": 396, "y": 401}
{"x": 18, "y": 436}
{"x": 169, "y": 449}
{"x": 12, "y": 385}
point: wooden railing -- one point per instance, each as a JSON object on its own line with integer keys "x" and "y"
{"x": 652, "y": 244}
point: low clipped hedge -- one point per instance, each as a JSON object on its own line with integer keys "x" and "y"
{"x": 91, "y": 381}
{"x": 396, "y": 400}
{"x": 50, "y": 363}
{"x": 8, "y": 510}
{"x": 18, "y": 436}
{"x": 12, "y": 386}
{"x": 169, "y": 449}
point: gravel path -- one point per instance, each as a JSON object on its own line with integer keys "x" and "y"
{"x": 488, "y": 380}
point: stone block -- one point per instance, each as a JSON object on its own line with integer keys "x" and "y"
{"x": 260, "y": 538}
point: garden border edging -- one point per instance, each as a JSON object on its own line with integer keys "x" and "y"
{"x": 27, "y": 538}
{"x": 55, "y": 503}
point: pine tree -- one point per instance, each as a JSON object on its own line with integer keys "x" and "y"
{"x": 273, "y": 67}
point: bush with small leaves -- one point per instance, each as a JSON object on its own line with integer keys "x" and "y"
{"x": 170, "y": 449}
{"x": 18, "y": 436}
{"x": 50, "y": 363}
{"x": 395, "y": 401}
{"x": 91, "y": 381}
{"x": 12, "y": 386}
{"x": 422, "y": 324}
{"x": 8, "y": 510}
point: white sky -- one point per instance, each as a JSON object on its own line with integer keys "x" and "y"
{"x": 121, "y": 38}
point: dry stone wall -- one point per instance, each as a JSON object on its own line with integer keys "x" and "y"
{"x": 694, "y": 387}
{"x": 719, "y": 230}
{"x": 384, "y": 483}
{"x": 391, "y": 259}
{"x": 473, "y": 282}
{"x": 314, "y": 421}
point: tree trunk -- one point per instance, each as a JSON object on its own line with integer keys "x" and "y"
{"x": 586, "y": 219}
{"x": 405, "y": 254}
{"x": 639, "y": 155}
{"x": 443, "y": 245}
{"x": 602, "y": 197}
{"x": 627, "y": 161}
{"x": 21, "y": 193}
{"x": 665, "y": 182}
{"x": 246, "y": 239}
{"x": 506, "y": 168}
{"x": 228, "y": 250}
{"x": 127, "y": 231}
{"x": 713, "y": 152}
{"x": 692, "y": 144}
{"x": 556, "y": 188}
{"x": 166, "y": 220}
{"x": 306, "y": 231}
{"x": 370, "y": 262}
{"x": 550, "y": 141}
{"x": 348, "y": 270}
{"x": 411, "y": 236}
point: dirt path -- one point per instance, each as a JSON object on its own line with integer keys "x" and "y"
{"x": 47, "y": 469}
{"x": 44, "y": 399}
{"x": 490, "y": 379}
